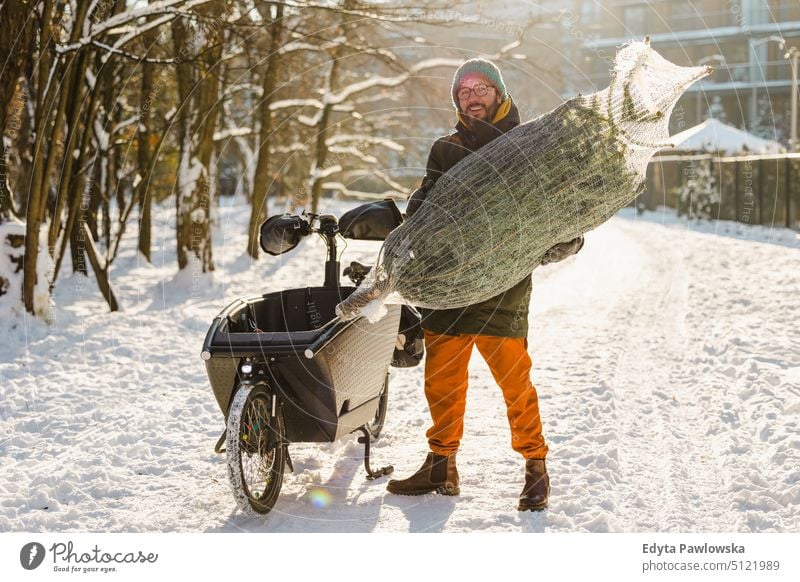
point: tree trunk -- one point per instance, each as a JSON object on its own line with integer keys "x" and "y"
{"x": 72, "y": 187}
{"x": 110, "y": 186}
{"x": 16, "y": 29}
{"x": 144, "y": 135}
{"x": 42, "y": 171}
{"x": 78, "y": 193}
{"x": 100, "y": 269}
{"x": 95, "y": 195}
{"x": 184, "y": 72}
{"x": 77, "y": 242}
{"x": 197, "y": 122}
{"x": 74, "y": 102}
{"x": 263, "y": 179}
{"x": 11, "y": 124}
{"x": 35, "y": 206}
{"x": 16, "y": 32}
{"x": 144, "y": 155}
{"x": 321, "y": 147}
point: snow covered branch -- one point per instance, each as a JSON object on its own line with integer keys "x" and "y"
{"x": 374, "y": 172}
{"x": 322, "y": 173}
{"x": 127, "y": 55}
{"x": 121, "y": 24}
{"x": 355, "y": 152}
{"x": 232, "y": 132}
{"x": 365, "y": 139}
{"x": 344, "y": 190}
{"x": 335, "y": 97}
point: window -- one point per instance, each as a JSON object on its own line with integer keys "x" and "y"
{"x": 683, "y": 16}
{"x": 635, "y": 18}
{"x": 590, "y": 12}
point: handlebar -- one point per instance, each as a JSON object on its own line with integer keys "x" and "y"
{"x": 328, "y": 223}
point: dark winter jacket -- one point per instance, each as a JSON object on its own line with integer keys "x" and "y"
{"x": 505, "y": 315}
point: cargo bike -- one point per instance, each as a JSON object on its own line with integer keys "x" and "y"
{"x": 285, "y": 369}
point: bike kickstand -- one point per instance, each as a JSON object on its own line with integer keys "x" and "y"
{"x": 218, "y": 448}
{"x": 388, "y": 470}
{"x": 288, "y": 458}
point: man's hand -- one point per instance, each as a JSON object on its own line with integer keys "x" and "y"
{"x": 563, "y": 250}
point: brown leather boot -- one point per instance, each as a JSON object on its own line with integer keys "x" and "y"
{"x": 438, "y": 473}
{"x": 537, "y": 486}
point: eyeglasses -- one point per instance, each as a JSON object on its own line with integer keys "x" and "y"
{"x": 480, "y": 90}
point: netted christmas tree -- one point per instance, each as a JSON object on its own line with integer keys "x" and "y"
{"x": 489, "y": 220}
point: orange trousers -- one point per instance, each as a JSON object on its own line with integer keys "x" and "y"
{"x": 446, "y": 362}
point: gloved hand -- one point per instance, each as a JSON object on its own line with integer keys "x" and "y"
{"x": 418, "y": 197}
{"x": 563, "y": 250}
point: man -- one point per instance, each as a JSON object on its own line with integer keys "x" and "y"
{"x": 497, "y": 326}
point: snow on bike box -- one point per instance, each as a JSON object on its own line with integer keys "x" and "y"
{"x": 488, "y": 221}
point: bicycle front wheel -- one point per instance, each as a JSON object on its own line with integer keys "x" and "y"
{"x": 256, "y": 449}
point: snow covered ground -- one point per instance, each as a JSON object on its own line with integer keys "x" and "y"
{"x": 666, "y": 355}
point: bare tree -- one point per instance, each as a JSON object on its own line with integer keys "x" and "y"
{"x": 144, "y": 137}
{"x": 16, "y": 29}
{"x": 199, "y": 91}
{"x": 94, "y": 147}
{"x": 263, "y": 176}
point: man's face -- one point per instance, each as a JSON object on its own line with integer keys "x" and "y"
{"x": 477, "y": 107}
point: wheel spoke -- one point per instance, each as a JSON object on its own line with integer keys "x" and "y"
{"x": 256, "y": 450}
{"x": 259, "y": 460}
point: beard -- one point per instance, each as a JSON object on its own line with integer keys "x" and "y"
{"x": 483, "y": 115}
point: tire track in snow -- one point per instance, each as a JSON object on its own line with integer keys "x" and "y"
{"x": 579, "y": 314}
{"x": 741, "y": 361}
{"x": 619, "y": 392}
{"x": 670, "y": 481}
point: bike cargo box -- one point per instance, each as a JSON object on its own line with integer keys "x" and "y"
{"x": 327, "y": 395}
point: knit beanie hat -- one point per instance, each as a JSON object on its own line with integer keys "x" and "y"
{"x": 486, "y": 68}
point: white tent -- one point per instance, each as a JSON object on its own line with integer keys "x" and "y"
{"x": 714, "y": 136}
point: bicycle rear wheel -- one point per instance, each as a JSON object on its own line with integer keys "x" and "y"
{"x": 375, "y": 426}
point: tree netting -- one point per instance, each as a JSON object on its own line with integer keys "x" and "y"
{"x": 487, "y": 222}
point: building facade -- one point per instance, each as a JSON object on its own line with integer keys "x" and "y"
{"x": 751, "y": 84}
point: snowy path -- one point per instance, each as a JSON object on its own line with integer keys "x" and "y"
{"x": 684, "y": 409}
{"x": 667, "y": 362}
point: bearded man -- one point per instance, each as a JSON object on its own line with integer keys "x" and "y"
{"x": 498, "y": 327}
